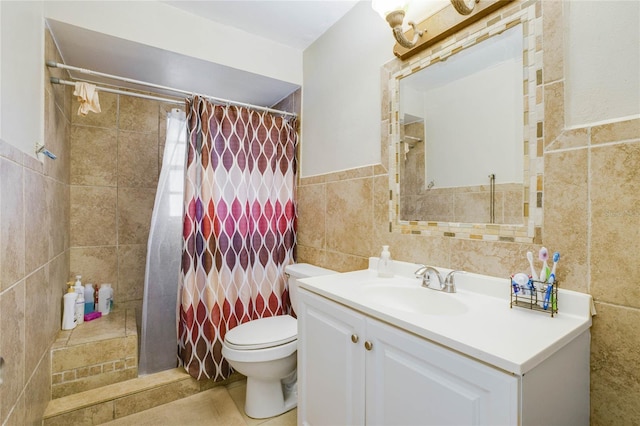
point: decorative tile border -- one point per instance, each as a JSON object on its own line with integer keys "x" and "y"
{"x": 528, "y": 14}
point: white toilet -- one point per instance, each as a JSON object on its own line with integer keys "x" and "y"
{"x": 264, "y": 350}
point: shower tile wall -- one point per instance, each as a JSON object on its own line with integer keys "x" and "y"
{"x": 34, "y": 259}
{"x": 591, "y": 215}
{"x": 115, "y": 163}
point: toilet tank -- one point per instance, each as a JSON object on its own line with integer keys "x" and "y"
{"x": 297, "y": 271}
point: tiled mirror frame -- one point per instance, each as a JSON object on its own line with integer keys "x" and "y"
{"x": 528, "y": 15}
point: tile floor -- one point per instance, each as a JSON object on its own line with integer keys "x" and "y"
{"x": 220, "y": 406}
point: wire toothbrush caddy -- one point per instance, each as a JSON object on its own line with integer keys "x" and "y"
{"x": 537, "y": 296}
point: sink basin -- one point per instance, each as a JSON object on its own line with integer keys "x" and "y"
{"x": 415, "y": 299}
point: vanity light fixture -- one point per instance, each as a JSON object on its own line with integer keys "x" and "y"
{"x": 464, "y": 7}
{"x": 393, "y": 11}
{"x": 456, "y": 16}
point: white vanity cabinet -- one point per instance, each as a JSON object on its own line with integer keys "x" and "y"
{"x": 355, "y": 370}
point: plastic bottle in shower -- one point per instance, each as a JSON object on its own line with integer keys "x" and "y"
{"x": 104, "y": 299}
{"x": 79, "y": 307}
{"x": 88, "y": 299}
{"x": 69, "y": 313}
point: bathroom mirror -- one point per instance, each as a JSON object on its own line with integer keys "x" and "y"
{"x": 461, "y": 136}
{"x": 464, "y": 125}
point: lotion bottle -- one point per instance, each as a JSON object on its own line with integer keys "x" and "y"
{"x": 385, "y": 264}
{"x": 104, "y": 299}
{"x": 68, "y": 315}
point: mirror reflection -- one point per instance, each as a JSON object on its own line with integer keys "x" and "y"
{"x": 461, "y": 136}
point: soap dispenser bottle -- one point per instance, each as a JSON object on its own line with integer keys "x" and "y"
{"x": 69, "y": 313}
{"x": 385, "y": 264}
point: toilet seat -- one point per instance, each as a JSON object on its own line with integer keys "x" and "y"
{"x": 265, "y": 339}
{"x": 263, "y": 333}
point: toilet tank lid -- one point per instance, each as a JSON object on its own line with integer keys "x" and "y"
{"x": 303, "y": 270}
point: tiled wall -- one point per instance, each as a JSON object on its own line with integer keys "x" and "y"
{"x": 115, "y": 164}
{"x": 591, "y": 215}
{"x": 34, "y": 260}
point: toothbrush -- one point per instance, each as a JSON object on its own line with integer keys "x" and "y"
{"x": 534, "y": 275}
{"x": 543, "y": 255}
{"x": 552, "y": 279}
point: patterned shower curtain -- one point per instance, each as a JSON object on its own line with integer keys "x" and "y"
{"x": 239, "y": 227}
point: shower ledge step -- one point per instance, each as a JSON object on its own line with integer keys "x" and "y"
{"x": 128, "y": 397}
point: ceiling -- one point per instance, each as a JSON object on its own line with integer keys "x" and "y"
{"x": 293, "y": 23}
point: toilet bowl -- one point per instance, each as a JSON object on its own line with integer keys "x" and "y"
{"x": 264, "y": 350}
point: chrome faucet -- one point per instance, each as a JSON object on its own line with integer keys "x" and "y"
{"x": 447, "y": 285}
{"x": 424, "y": 272}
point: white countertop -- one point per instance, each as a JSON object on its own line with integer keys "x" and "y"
{"x": 512, "y": 339}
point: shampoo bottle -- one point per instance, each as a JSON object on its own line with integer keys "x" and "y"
{"x": 88, "y": 299}
{"x": 68, "y": 315}
{"x": 385, "y": 264}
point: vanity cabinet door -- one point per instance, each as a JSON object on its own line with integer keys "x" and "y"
{"x": 330, "y": 363}
{"x": 411, "y": 381}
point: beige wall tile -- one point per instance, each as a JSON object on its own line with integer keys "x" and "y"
{"x": 94, "y": 154}
{"x": 12, "y": 346}
{"x": 498, "y": 259}
{"x": 552, "y": 39}
{"x": 135, "y": 206}
{"x": 107, "y": 118}
{"x": 37, "y": 338}
{"x": 57, "y": 200}
{"x": 553, "y": 112}
{"x": 350, "y": 216}
{"x": 138, "y": 115}
{"x": 574, "y": 138}
{"x": 97, "y": 265}
{"x": 565, "y": 227}
{"x": 56, "y": 140}
{"x": 38, "y": 212}
{"x": 38, "y": 392}
{"x": 132, "y": 261}
{"x": 93, "y": 215}
{"x": 620, "y": 131}
{"x": 137, "y": 159}
{"x": 58, "y": 276}
{"x": 12, "y": 224}
{"x": 18, "y": 415}
{"x": 615, "y": 356}
{"x": 311, "y": 210}
{"x": 615, "y": 224}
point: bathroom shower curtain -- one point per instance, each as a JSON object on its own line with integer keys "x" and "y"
{"x": 164, "y": 248}
{"x": 239, "y": 227}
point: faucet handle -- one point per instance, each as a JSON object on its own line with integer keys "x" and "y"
{"x": 449, "y": 282}
{"x": 420, "y": 271}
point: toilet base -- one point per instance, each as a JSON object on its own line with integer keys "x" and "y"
{"x": 269, "y": 398}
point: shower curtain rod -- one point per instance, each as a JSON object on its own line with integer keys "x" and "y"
{"x": 55, "y": 80}
{"x": 54, "y": 64}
